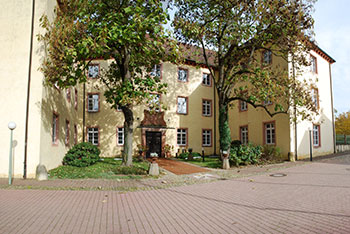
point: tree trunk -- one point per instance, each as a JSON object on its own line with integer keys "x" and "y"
{"x": 128, "y": 135}
{"x": 224, "y": 128}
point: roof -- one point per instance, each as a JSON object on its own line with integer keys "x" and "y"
{"x": 322, "y": 53}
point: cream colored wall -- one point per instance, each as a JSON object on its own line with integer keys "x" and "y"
{"x": 15, "y": 21}
{"x": 255, "y": 119}
{"x": 108, "y": 119}
{"x": 323, "y": 118}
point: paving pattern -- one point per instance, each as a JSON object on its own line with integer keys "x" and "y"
{"x": 312, "y": 198}
{"x": 179, "y": 168}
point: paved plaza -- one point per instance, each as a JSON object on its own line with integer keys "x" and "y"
{"x": 310, "y": 198}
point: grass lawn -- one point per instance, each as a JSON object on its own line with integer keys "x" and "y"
{"x": 106, "y": 168}
{"x": 208, "y": 162}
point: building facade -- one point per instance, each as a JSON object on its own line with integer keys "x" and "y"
{"x": 51, "y": 120}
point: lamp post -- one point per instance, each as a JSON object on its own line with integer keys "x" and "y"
{"x": 310, "y": 140}
{"x": 11, "y": 126}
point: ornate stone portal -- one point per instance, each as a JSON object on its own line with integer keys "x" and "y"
{"x": 153, "y": 132}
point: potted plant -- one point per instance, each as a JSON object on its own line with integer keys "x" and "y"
{"x": 167, "y": 150}
{"x": 142, "y": 149}
{"x": 154, "y": 157}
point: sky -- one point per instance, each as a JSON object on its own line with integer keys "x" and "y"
{"x": 332, "y": 29}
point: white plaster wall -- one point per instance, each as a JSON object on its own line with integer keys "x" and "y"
{"x": 323, "y": 118}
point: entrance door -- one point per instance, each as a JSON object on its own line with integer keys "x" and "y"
{"x": 154, "y": 143}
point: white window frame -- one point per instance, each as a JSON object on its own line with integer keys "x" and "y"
{"x": 270, "y": 133}
{"x": 154, "y": 102}
{"x": 243, "y": 131}
{"x": 182, "y": 105}
{"x": 243, "y": 105}
{"x": 314, "y": 94}
{"x": 93, "y": 71}
{"x": 181, "y": 136}
{"x": 93, "y": 102}
{"x": 120, "y": 136}
{"x": 182, "y": 75}
{"x": 206, "y": 137}
{"x": 313, "y": 64}
{"x": 206, "y": 79}
{"x": 206, "y": 108}
{"x": 93, "y": 135}
{"x": 267, "y": 57}
{"x": 156, "y": 71}
{"x": 316, "y": 136}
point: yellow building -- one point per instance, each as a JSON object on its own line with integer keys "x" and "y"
{"x": 50, "y": 121}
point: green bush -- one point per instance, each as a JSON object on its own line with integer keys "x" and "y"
{"x": 271, "y": 153}
{"x": 185, "y": 155}
{"x": 244, "y": 154}
{"x": 82, "y": 155}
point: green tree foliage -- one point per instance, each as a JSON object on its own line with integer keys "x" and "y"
{"x": 129, "y": 33}
{"x": 342, "y": 123}
{"x": 232, "y": 33}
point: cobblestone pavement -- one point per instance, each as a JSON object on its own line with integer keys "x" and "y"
{"x": 311, "y": 198}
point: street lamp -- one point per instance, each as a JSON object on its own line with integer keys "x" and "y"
{"x": 310, "y": 140}
{"x": 11, "y": 126}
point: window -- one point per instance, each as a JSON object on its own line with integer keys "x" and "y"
{"x": 206, "y": 107}
{"x": 269, "y": 133}
{"x": 75, "y": 98}
{"x": 120, "y": 136}
{"x": 75, "y": 134}
{"x": 267, "y": 57}
{"x": 316, "y": 136}
{"x": 54, "y": 128}
{"x": 313, "y": 64}
{"x": 66, "y": 139}
{"x": 92, "y": 135}
{"x": 206, "y": 137}
{"x": 206, "y": 79}
{"x": 182, "y": 137}
{"x": 182, "y": 105}
{"x": 93, "y": 102}
{"x": 182, "y": 75}
{"x": 154, "y": 102}
{"x": 314, "y": 95}
{"x": 93, "y": 71}
{"x": 243, "y": 132}
{"x": 243, "y": 106}
{"x": 156, "y": 71}
{"x": 68, "y": 94}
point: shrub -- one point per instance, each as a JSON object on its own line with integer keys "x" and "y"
{"x": 271, "y": 153}
{"x": 82, "y": 155}
{"x": 245, "y": 154}
{"x": 185, "y": 155}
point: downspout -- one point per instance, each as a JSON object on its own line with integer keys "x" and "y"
{"x": 214, "y": 116}
{"x": 84, "y": 87}
{"x": 28, "y": 93}
{"x": 295, "y": 117}
{"x": 333, "y": 126}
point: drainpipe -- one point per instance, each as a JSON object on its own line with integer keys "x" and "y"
{"x": 331, "y": 87}
{"x": 295, "y": 118}
{"x": 214, "y": 116}
{"x": 28, "y": 92}
{"x": 84, "y": 87}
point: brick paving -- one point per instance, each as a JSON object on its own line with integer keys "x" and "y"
{"x": 179, "y": 168}
{"x": 312, "y": 198}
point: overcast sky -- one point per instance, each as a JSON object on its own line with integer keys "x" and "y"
{"x": 332, "y": 28}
